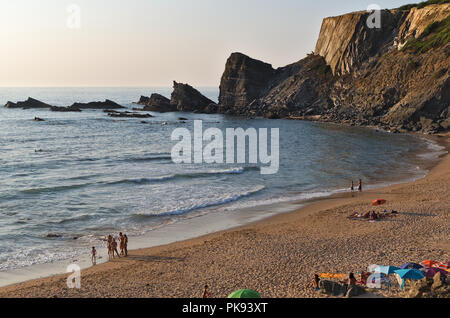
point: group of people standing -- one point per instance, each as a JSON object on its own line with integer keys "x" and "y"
{"x": 112, "y": 246}
{"x": 352, "y": 186}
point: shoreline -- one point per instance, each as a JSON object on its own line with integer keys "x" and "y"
{"x": 311, "y": 208}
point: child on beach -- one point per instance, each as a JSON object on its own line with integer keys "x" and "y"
{"x": 94, "y": 256}
{"x": 205, "y": 293}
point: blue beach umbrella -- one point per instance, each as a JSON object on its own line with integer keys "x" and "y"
{"x": 409, "y": 274}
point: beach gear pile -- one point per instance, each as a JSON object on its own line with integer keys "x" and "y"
{"x": 425, "y": 277}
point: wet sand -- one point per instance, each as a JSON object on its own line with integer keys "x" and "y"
{"x": 279, "y": 255}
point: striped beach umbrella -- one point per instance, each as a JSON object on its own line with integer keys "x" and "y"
{"x": 428, "y": 263}
{"x": 443, "y": 265}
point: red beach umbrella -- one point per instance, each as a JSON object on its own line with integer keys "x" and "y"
{"x": 378, "y": 202}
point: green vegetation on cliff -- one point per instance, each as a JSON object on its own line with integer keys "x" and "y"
{"x": 435, "y": 35}
{"x": 423, "y": 4}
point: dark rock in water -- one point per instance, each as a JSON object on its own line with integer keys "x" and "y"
{"x": 143, "y": 100}
{"x": 186, "y": 98}
{"x": 243, "y": 80}
{"x": 160, "y": 104}
{"x": 182, "y": 118}
{"x": 107, "y": 104}
{"x": 38, "y": 119}
{"x": 28, "y": 104}
{"x": 64, "y": 109}
{"x": 127, "y": 114}
{"x": 52, "y": 235}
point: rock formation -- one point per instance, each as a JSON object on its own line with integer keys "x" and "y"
{"x": 107, "y": 104}
{"x": 186, "y": 98}
{"x": 28, "y": 104}
{"x": 244, "y": 80}
{"x": 157, "y": 103}
{"x": 395, "y": 77}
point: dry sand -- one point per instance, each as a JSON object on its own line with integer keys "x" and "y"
{"x": 278, "y": 256}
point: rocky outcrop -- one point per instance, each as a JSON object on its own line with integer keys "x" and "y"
{"x": 107, "y": 104}
{"x": 64, "y": 109}
{"x": 159, "y": 103}
{"x": 28, "y": 104}
{"x": 243, "y": 81}
{"x": 357, "y": 75}
{"x": 186, "y": 98}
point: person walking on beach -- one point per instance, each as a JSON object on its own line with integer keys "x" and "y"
{"x": 360, "y": 185}
{"x": 125, "y": 244}
{"x": 121, "y": 243}
{"x": 94, "y": 256}
{"x": 110, "y": 250}
{"x": 352, "y": 187}
{"x": 206, "y": 293}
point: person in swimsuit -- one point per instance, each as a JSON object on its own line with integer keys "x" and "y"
{"x": 114, "y": 248}
{"x": 125, "y": 244}
{"x": 110, "y": 251}
{"x": 94, "y": 256}
{"x": 360, "y": 185}
{"x": 352, "y": 187}
{"x": 121, "y": 243}
{"x": 314, "y": 284}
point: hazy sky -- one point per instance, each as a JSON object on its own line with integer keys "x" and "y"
{"x": 152, "y": 42}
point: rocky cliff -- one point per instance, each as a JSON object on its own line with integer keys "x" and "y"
{"x": 395, "y": 77}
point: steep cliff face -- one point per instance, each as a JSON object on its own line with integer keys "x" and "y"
{"x": 244, "y": 80}
{"x": 395, "y": 77}
{"x": 347, "y": 41}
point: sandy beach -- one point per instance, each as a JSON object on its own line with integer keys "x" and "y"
{"x": 279, "y": 255}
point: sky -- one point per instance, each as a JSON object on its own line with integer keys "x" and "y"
{"x": 150, "y": 43}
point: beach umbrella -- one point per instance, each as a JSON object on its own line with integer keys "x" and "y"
{"x": 443, "y": 265}
{"x": 244, "y": 293}
{"x": 378, "y": 202}
{"x": 409, "y": 274}
{"x": 404, "y": 274}
{"x": 411, "y": 266}
{"x": 428, "y": 263}
{"x": 385, "y": 269}
{"x": 431, "y": 272}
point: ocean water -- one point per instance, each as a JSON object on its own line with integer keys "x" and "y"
{"x": 70, "y": 180}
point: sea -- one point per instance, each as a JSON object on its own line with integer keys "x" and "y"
{"x": 72, "y": 179}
